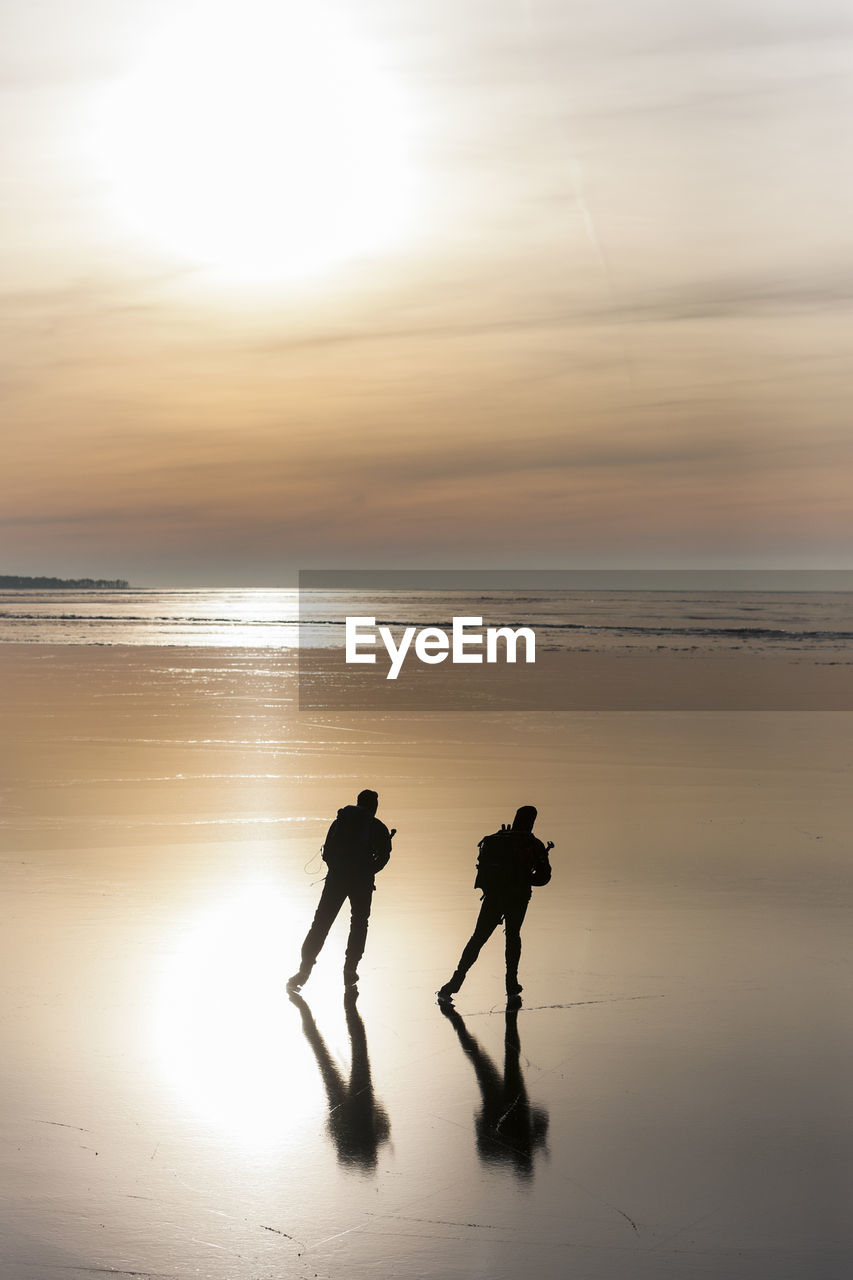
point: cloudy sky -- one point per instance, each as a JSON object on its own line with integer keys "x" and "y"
{"x": 526, "y": 282}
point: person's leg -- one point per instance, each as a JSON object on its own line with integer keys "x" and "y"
{"x": 361, "y": 899}
{"x": 331, "y": 901}
{"x": 513, "y": 918}
{"x": 491, "y": 913}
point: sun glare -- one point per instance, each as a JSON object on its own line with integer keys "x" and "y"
{"x": 263, "y": 139}
{"x": 225, "y": 1035}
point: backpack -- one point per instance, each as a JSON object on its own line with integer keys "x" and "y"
{"x": 348, "y": 846}
{"x": 510, "y": 862}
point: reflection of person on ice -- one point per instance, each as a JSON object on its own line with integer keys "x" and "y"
{"x": 358, "y": 1123}
{"x": 509, "y": 1130}
{"x": 511, "y": 861}
{"x": 356, "y": 847}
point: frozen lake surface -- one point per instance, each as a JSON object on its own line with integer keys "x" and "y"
{"x": 672, "y": 1099}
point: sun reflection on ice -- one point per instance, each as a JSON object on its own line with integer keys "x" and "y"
{"x": 221, "y": 1027}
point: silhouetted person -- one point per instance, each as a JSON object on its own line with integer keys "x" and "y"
{"x": 510, "y": 862}
{"x": 508, "y": 1129}
{"x": 358, "y": 1124}
{"x": 356, "y": 847}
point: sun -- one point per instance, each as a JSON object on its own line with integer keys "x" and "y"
{"x": 264, "y": 139}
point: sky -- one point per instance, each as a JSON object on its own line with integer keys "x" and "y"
{"x": 527, "y": 283}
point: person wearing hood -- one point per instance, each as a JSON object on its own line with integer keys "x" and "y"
{"x": 511, "y": 862}
{"x": 357, "y": 846}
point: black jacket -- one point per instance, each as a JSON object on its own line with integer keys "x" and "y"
{"x": 510, "y": 862}
{"x": 357, "y": 843}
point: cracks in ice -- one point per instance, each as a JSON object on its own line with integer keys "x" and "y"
{"x": 627, "y": 1218}
{"x": 439, "y": 1222}
{"x": 59, "y": 1125}
{"x": 572, "y": 1004}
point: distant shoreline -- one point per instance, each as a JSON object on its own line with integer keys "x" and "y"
{"x": 11, "y": 583}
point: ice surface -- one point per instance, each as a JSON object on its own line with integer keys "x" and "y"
{"x": 672, "y": 1098}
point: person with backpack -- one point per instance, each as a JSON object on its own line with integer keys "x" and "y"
{"x": 511, "y": 862}
{"x": 357, "y": 846}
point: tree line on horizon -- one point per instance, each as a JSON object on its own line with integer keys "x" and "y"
{"x": 10, "y": 582}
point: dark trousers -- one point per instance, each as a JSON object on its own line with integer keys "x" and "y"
{"x": 493, "y": 909}
{"x": 336, "y": 889}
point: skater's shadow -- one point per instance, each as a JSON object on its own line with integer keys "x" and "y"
{"x": 358, "y": 1125}
{"x": 509, "y": 1130}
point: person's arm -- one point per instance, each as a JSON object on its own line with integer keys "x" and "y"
{"x": 381, "y": 844}
{"x": 327, "y": 843}
{"x": 541, "y": 870}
